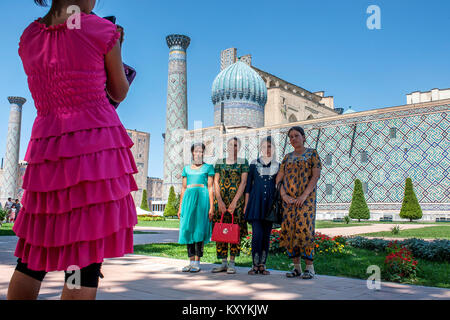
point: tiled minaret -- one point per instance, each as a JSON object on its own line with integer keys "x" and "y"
{"x": 11, "y": 165}
{"x": 176, "y": 112}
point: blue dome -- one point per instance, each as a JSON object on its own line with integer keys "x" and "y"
{"x": 239, "y": 82}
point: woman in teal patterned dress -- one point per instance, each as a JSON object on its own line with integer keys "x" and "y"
{"x": 229, "y": 184}
{"x": 196, "y": 207}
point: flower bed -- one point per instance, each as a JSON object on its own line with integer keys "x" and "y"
{"x": 323, "y": 244}
{"x": 399, "y": 264}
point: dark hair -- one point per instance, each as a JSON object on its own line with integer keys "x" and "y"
{"x": 17, "y": 199}
{"x": 42, "y": 3}
{"x": 9, "y": 198}
{"x": 199, "y": 144}
{"x": 235, "y": 139}
{"x": 298, "y": 129}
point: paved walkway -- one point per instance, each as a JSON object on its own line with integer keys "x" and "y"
{"x": 155, "y": 278}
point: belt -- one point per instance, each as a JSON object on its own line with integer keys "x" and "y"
{"x": 196, "y": 185}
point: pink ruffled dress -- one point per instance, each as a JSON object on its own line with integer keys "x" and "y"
{"x": 77, "y": 206}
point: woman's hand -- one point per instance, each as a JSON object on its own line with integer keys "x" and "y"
{"x": 211, "y": 214}
{"x": 300, "y": 200}
{"x": 288, "y": 200}
{"x": 222, "y": 207}
{"x": 179, "y": 212}
{"x": 122, "y": 33}
{"x": 232, "y": 207}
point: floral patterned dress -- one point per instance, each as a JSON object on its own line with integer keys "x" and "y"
{"x": 297, "y": 227}
{"x": 230, "y": 179}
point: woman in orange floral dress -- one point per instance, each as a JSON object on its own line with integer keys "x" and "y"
{"x": 299, "y": 171}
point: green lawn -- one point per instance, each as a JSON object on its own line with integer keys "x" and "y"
{"x": 439, "y": 232}
{"x": 6, "y": 230}
{"x": 168, "y": 223}
{"x": 352, "y": 265}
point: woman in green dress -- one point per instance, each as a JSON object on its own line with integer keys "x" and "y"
{"x": 229, "y": 185}
{"x": 196, "y": 207}
{"x": 299, "y": 171}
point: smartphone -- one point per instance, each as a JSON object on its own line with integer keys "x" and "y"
{"x": 111, "y": 18}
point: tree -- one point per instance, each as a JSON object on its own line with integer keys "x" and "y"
{"x": 144, "y": 202}
{"x": 410, "y": 207}
{"x": 177, "y": 203}
{"x": 170, "y": 209}
{"x": 359, "y": 208}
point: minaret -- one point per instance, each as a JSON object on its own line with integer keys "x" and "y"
{"x": 176, "y": 112}
{"x": 11, "y": 165}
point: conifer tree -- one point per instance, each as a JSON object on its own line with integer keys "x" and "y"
{"x": 410, "y": 207}
{"x": 170, "y": 210}
{"x": 144, "y": 203}
{"x": 359, "y": 208}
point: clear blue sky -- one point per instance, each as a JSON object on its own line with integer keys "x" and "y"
{"x": 318, "y": 45}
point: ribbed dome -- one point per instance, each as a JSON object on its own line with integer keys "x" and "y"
{"x": 239, "y": 82}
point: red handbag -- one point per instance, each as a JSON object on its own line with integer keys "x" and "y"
{"x": 226, "y": 232}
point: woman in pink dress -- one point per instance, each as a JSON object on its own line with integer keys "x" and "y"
{"x": 77, "y": 207}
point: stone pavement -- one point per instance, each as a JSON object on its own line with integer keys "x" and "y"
{"x": 153, "y": 278}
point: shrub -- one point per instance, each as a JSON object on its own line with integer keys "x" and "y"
{"x": 347, "y": 219}
{"x": 170, "y": 210}
{"x": 395, "y": 230}
{"x": 436, "y": 250}
{"x": 151, "y": 218}
{"x": 144, "y": 202}
{"x": 325, "y": 244}
{"x": 358, "y": 208}
{"x": 2, "y": 216}
{"x": 410, "y": 207}
{"x": 399, "y": 264}
{"x": 274, "y": 244}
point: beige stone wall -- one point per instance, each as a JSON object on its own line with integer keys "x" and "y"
{"x": 284, "y": 106}
{"x": 154, "y": 189}
{"x": 140, "y": 152}
{"x": 432, "y": 95}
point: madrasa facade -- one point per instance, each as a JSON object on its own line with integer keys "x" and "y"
{"x": 381, "y": 147}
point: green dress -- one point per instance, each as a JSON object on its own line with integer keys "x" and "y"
{"x": 230, "y": 179}
{"x": 194, "y": 221}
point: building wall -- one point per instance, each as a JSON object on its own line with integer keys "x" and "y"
{"x": 432, "y": 95}
{"x": 140, "y": 152}
{"x": 283, "y": 106}
{"x": 154, "y": 190}
{"x": 418, "y": 149}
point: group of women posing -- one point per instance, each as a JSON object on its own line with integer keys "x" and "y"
{"x": 233, "y": 187}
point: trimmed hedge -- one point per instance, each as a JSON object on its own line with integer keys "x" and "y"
{"x": 436, "y": 250}
{"x": 144, "y": 202}
{"x": 410, "y": 207}
{"x": 170, "y": 210}
{"x": 151, "y": 218}
{"x": 359, "y": 208}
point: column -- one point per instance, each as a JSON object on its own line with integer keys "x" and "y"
{"x": 176, "y": 112}
{"x": 11, "y": 164}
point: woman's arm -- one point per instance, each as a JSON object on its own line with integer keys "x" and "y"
{"x": 309, "y": 188}
{"x": 211, "y": 197}
{"x": 220, "y": 203}
{"x": 116, "y": 82}
{"x": 239, "y": 192}
{"x": 183, "y": 189}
